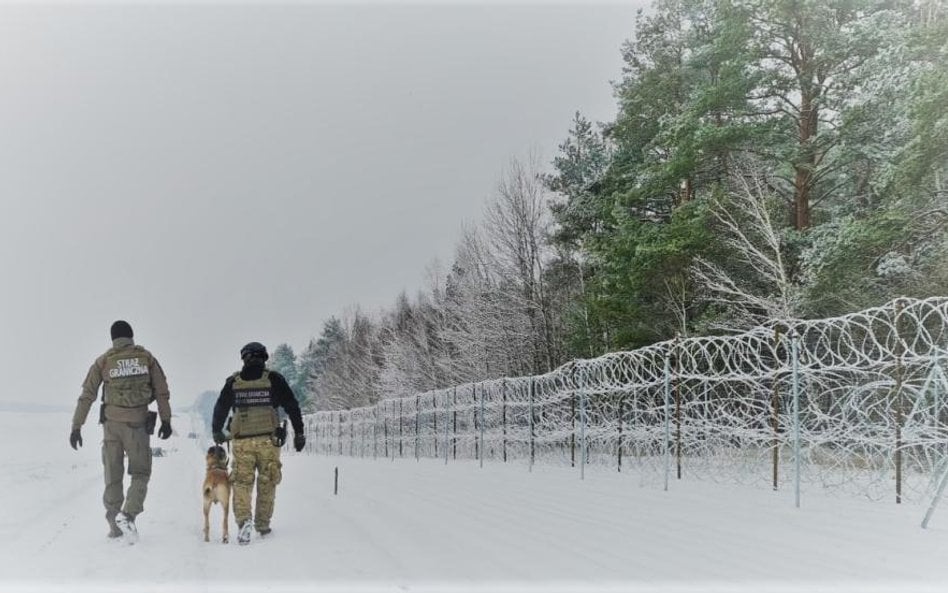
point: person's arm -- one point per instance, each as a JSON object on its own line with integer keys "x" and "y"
{"x": 159, "y": 386}
{"x": 225, "y": 401}
{"x": 283, "y": 396}
{"x": 90, "y": 389}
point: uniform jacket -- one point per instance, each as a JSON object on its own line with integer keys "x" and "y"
{"x": 94, "y": 379}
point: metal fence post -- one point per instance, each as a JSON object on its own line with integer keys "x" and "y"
{"x": 795, "y": 361}
{"x": 899, "y": 411}
{"x": 666, "y": 449}
{"x": 621, "y": 422}
{"x": 532, "y": 443}
{"x": 677, "y": 389}
{"x": 329, "y": 425}
{"x": 385, "y": 430}
{"x": 941, "y": 490}
{"x": 475, "y": 412}
{"x": 503, "y": 387}
{"x": 317, "y": 433}
{"x": 775, "y": 407}
{"x": 454, "y": 427}
{"x": 446, "y": 427}
{"x": 582, "y": 434}
{"x": 483, "y": 445}
{"x": 572, "y": 416}
{"x": 936, "y": 396}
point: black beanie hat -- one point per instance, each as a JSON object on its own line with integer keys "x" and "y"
{"x": 121, "y": 329}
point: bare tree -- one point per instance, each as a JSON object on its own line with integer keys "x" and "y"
{"x": 517, "y": 222}
{"x": 414, "y": 355}
{"x": 350, "y": 378}
{"x": 485, "y": 322}
{"x": 492, "y": 314}
{"x": 677, "y": 301}
{"x": 755, "y": 286}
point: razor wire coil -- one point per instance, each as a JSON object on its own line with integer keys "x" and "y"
{"x": 872, "y": 385}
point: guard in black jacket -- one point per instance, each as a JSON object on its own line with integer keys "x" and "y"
{"x": 254, "y": 393}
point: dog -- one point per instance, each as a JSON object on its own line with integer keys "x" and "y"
{"x": 216, "y": 488}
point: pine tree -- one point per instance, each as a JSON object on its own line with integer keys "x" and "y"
{"x": 683, "y": 118}
{"x": 283, "y": 361}
{"x": 314, "y": 359}
{"x": 807, "y": 52}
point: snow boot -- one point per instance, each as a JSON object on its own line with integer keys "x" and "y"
{"x": 264, "y": 530}
{"x": 126, "y": 524}
{"x": 114, "y": 531}
{"x": 246, "y": 530}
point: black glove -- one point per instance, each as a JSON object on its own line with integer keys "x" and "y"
{"x": 279, "y": 436}
{"x": 165, "y": 430}
{"x": 219, "y": 437}
{"x": 75, "y": 438}
{"x": 299, "y": 441}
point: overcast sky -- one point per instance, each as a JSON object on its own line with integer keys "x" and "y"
{"x": 219, "y": 174}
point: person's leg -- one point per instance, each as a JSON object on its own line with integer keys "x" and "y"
{"x": 113, "y": 463}
{"x": 138, "y": 448}
{"x": 242, "y": 477}
{"x": 271, "y": 474}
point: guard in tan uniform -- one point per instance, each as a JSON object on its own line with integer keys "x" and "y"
{"x": 254, "y": 394}
{"x": 131, "y": 378}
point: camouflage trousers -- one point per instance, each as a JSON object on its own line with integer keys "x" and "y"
{"x": 255, "y": 458}
{"x": 119, "y": 440}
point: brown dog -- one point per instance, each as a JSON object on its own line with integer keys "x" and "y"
{"x": 216, "y": 487}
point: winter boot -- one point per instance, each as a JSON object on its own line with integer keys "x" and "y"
{"x": 114, "y": 531}
{"x": 126, "y": 524}
{"x": 264, "y": 530}
{"x": 246, "y": 530}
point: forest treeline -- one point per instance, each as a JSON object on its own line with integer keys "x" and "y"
{"x": 768, "y": 159}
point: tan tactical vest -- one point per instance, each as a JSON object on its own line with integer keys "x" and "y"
{"x": 126, "y": 377}
{"x": 254, "y": 414}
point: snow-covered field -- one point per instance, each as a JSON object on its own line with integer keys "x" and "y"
{"x": 427, "y": 526}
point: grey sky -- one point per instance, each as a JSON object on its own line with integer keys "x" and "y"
{"x": 219, "y": 174}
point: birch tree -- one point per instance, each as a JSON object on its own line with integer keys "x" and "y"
{"x": 755, "y": 285}
{"x": 517, "y": 223}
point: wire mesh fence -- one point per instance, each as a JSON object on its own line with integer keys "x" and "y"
{"x": 854, "y": 403}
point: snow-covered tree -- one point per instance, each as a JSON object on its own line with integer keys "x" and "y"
{"x": 349, "y": 363}
{"x": 313, "y": 360}
{"x": 754, "y": 284}
{"x": 517, "y": 226}
{"x": 283, "y": 361}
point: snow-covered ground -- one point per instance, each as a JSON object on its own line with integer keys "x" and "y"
{"x": 426, "y": 526}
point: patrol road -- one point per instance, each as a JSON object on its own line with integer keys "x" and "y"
{"x": 403, "y": 524}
